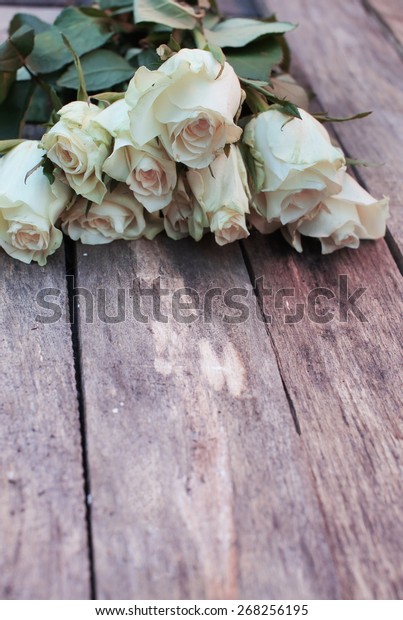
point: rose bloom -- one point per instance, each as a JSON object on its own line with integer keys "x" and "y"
{"x": 342, "y": 220}
{"x": 295, "y": 165}
{"x": 79, "y": 146}
{"x": 119, "y": 216}
{"x": 189, "y": 103}
{"x": 184, "y": 216}
{"x": 223, "y": 194}
{"x": 147, "y": 169}
{"x": 29, "y": 205}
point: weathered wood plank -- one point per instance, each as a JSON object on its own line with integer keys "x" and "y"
{"x": 199, "y": 481}
{"x": 352, "y": 67}
{"x": 342, "y": 377}
{"x": 390, "y": 12}
{"x": 43, "y": 537}
{"x": 345, "y": 384}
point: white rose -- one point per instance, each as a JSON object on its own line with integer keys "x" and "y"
{"x": 119, "y": 216}
{"x": 115, "y": 118}
{"x": 260, "y": 222}
{"x": 295, "y": 164}
{"x": 79, "y": 146}
{"x": 189, "y": 103}
{"x": 342, "y": 220}
{"x": 29, "y": 207}
{"x": 184, "y": 216}
{"x": 228, "y": 227}
{"x": 146, "y": 170}
{"x": 222, "y": 192}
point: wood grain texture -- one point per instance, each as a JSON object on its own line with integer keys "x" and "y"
{"x": 352, "y": 67}
{"x": 43, "y": 538}
{"x": 199, "y": 481}
{"x": 345, "y": 383}
{"x": 390, "y": 12}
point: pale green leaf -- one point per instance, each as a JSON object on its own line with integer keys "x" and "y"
{"x": 84, "y": 32}
{"x": 39, "y": 110}
{"x": 256, "y": 60}
{"x": 6, "y": 81}
{"x": 240, "y": 31}
{"x": 14, "y": 51}
{"x": 26, "y": 19}
{"x": 14, "y": 108}
{"x": 116, "y": 4}
{"x": 262, "y": 88}
{"x": 167, "y": 12}
{"x": 102, "y": 69}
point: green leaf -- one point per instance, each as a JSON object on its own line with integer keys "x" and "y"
{"x": 173, "y": 44}
{"x": 210, "y": 20}
{"x": 132, "y": 53}
{"x": 146, "y": 58}
{"x": 39, "y": 108}
{"x": 255, "y": 61}
{"x": 14, "y": 51}
{"x": 13, "y": 109}
{"x": 76, "y": 24}
{"x": 82, "y": 94}
{"x": 7, "y": 145}
{"x": 25, "y": 19}
{"x": 48, "y": 168}
{"x": 115, "y": 4}
{"x": 167, "y": 12}
{"x": 49, "y": 53}
{"x": 7, "y": 78}
{"x": 249, "y": 165}
{"x": 102, "y": 69}
{"x": 239, "y": 31}
{"x": 84, "y": 32}
{"x": 217, "y": 53}
{"x": 93, "y": 11}
{"x": 261, "y": 87}
{"x": 23, "y": 40}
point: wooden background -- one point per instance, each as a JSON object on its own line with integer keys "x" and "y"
{"x": 218, "y": 460}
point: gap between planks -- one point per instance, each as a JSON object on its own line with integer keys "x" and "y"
{"x": 72, "y": 301}
{"x": 259, "y": 301}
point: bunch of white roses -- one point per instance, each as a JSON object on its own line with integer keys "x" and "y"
{"x": 170, "y": 155}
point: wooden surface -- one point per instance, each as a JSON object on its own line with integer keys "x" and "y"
{"x": 221, "y": 459}
{"x": 389, "y": 13}
{"x": 43, "y": 533}
{"x": 189, "y": 484}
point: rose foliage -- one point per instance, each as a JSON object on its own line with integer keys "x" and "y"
{"x": 165, "y": 116}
